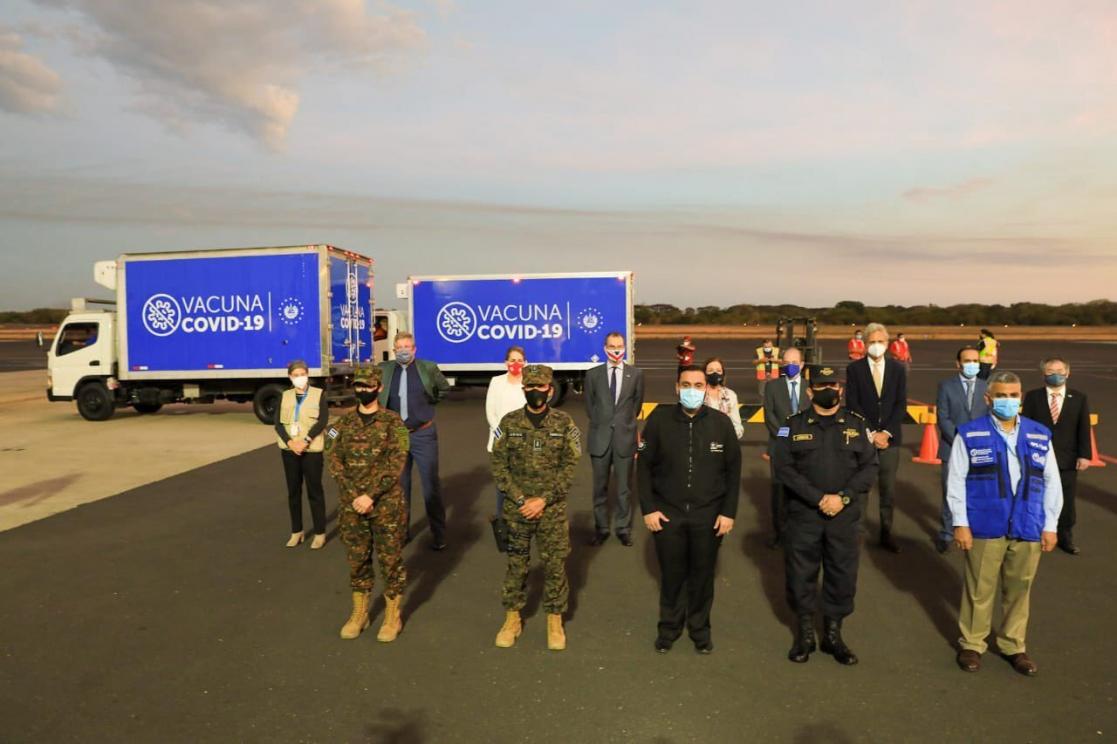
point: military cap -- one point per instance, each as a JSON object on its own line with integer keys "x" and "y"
{"x": 823, "y": 374}
{"x": 370, "y": 376}
{"x": 537, "y": 374}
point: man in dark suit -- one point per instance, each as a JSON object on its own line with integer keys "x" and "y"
{"x": 614, "y": 395}
{"x": 960, "y": 400}
{"x": 1066, "y": 413}
{"x": 877, "y": 388}
{"x": 778, "y": 406}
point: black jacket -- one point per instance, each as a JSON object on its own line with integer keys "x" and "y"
{"x": 816, "y": 455}
{"x": 884, "y": 413}
{"x": 689, "y": 463}
{"x": 1070, "y": 438}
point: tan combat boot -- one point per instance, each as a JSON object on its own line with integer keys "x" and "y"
{"x": 556, "y": 636}
{"x": 393, "y": 623}
{"x": 358, "y": 621}
{"x": 510, "y": 631}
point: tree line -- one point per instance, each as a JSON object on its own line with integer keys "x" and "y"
{"x": 847, "y": 312}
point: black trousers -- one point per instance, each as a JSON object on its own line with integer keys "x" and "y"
{"x": 889, "y": 460}
{"x": 815, "y": 541}
{"x": 687, "y": 549}
{"x": 984, "y": 370}
{"x": 779, "y": 503}
{"x": 1067, "y": 517}
{"x": 623, "y": 468}
{"x": 307, "y": 468}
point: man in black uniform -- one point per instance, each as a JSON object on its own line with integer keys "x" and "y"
{"x": 827, "y": 462}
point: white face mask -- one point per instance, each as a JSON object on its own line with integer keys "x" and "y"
{"x": 299, "y": 381}
{"x": 876, "y": 350}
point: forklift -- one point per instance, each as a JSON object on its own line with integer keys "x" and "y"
{"x": 786, "y": 337}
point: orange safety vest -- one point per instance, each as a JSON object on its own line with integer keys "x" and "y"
{"x": 856, "y": 348}
{"x": 900, "y": 351}
{"x": 767, "y": 367}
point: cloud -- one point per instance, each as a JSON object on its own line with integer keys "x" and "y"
{"x": 928, "y": 193}
{"x": 239, "y": 63}
{"x": 27, "y": 84}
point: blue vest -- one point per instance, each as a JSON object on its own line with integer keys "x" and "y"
{"x": 992, "y": 509}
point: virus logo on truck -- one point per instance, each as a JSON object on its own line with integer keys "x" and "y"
{"x": 161, "y": 315}
{"x": 456, "y": 322}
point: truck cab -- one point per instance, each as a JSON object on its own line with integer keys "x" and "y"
{"x": 81, "y": 361}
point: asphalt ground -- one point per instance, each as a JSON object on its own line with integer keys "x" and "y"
{"x": 172, "y": 612}
{"x": 19, "y": 356}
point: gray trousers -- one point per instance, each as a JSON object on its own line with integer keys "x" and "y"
{"x": 622, "y": 517}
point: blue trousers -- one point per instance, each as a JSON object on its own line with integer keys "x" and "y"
{"x": 424, "y": 453}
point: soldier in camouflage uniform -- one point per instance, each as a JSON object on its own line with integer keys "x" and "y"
{"x": 534, "y": 453}
{"x": 367, "y": 449}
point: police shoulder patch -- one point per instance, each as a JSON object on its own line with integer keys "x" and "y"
{"x": 784, "y": 431}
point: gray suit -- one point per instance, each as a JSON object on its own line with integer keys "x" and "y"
{"x": 777, "y": 407}
{"x": 612, "y": 440}
{"x": 952, "y": 409}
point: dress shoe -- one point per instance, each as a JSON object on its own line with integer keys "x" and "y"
{"x": 599, "y": 538}
{"x": 804, "y": 644}
{"x": 705, "y": 648}
{"x": 888, "y": 543}
{"x": 1068, "y": 546}
{"x": 833, "y": 644}
{"x": 941, "y": 545}
{"x": 969, "y": 661}
{"x": 626, "y": 539}
{"x": 438, "y": 544}
{"x": 1022, "y": 664}
{"x": 662, "y": 645}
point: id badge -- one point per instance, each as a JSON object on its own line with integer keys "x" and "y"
{"x": 295, "y": 429}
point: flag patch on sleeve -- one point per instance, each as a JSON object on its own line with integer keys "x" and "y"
{"x": 332, "y": 433}
{"x": 784, "y": 431}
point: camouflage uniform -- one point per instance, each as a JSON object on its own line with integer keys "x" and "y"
{"x": 536, "y": 462}
{"x": 366, "y": 460}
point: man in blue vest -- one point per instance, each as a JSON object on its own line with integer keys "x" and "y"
{"x": 1005, "y": 497}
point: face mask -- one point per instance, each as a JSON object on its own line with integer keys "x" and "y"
{"x": 970, "y": 370}
{"x": 767, "y": 349}
{"x": 715, "y": 378}
{"x": 876, "y": 350}
{"x": 299, "y": 381}
{"x": 1006, "y": 408}
{"x": 858, "y": 337}
{"x": 793, "y": 370}
{"x": 515, "y": 368}
{"x": 1055, "y": 381}
{"x": 826, "y": 397}
{"x": 615, "y": 354}
{"x": 536, "y": 398}
{"x": 366, "y": 397}
{"x": 404, "y": 357}
{"x": 692, "y": 398}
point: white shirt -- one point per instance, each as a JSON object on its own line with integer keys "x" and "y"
{"x": 960, "y": 467}
{"x": 503, "y": 398}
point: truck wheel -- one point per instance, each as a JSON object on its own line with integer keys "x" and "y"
{"x": 558, "y": 395}
{"x": 265, "y": 403}
{"x": 95, "y": 402}
{"x": 147, "y": 407}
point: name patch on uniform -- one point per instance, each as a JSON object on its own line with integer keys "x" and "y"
{"x": 784, "y": 431}
{"x": 976, "y": 434}
{"x": 332, "y": 433}
{"x": 1040, "y": 437}
{"x": 556, "y": 435}
{"x": 802, "y": 437}
{"x": 717, "y": 447}
{"x": 516, "y": 434}
{"x": 981, "y": 457}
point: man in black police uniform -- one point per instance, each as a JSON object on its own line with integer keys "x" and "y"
{"x": 827, "y": 462}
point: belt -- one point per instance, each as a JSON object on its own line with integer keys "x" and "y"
{"x": 427, "y": 425}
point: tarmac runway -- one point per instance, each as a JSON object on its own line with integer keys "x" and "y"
{"x": 171, "y": 612}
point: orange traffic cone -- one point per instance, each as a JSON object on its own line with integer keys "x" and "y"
{"x": 1095, "y": 460}
{"x": 929, "y": 448}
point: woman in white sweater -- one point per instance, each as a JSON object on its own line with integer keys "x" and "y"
{"x": 506, "y": 394}
{"x": 720, "y": 397}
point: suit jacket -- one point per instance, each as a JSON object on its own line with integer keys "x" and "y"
{"x": 613, "y": 424}
{"x": 1070, "y": 437}
{"x": 887, "y": 412}
{"x": 950, "y": 410}
{"x": 777, "y": 406}
{"x": 434, "y": 382}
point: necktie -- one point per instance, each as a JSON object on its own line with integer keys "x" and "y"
{"x": 969, "y": 396}
{"x": 403, "y": 393}
{"x": 794, "y": 398}
{"x": 878, "y": 376}
{"x": 613, "y": 385}
{"x": 1054, "y": 408}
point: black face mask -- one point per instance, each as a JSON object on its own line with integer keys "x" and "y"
{"x": 536, "y": 398}
{"x": 827, "y": 397}
{"x": 715, "y": 378}
{"x": 366, "y": 397}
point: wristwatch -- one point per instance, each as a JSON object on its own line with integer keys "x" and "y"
{"x": 845, "y": 499}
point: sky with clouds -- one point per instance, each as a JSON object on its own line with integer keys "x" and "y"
{"x": 731, "y": 151}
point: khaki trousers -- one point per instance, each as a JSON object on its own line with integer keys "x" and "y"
{"x": 1012, "y": 565}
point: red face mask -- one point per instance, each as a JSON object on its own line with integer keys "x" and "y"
{"x": 616, "y": 356}
{"x": 515, "y": 368}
